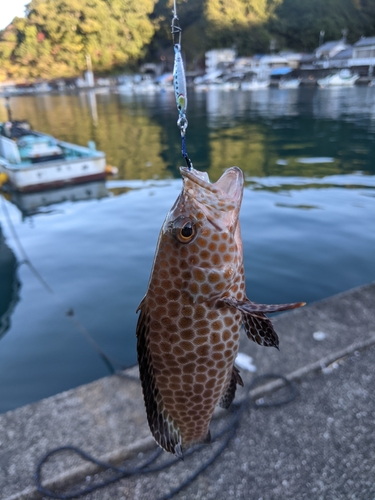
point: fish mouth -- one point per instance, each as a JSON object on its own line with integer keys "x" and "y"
{"x": 228, "y": 187}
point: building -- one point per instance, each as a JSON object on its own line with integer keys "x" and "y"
{"x": 330, "y": 49}
{"x": 342, "y": 58}
{"x": 219, "y": 58}
{"x": 363, "y": 57}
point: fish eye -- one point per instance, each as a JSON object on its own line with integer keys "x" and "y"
{"x": 184, "y": 230}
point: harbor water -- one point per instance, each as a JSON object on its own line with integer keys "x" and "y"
{"x": 77, "y": 260}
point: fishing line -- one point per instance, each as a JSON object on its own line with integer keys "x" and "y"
{"x": 69, "y": 312}
{"x": 225, "y": 435}
{"x": 179, "y": 83}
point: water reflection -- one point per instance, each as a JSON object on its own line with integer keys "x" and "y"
{"x": 330, "y": 103}
{"x": 345, "y": 103}
{"x": 36, "y": 203}
{"x": 10, "y": 285}
{"x": 91, "y": 98}
{"x": 264, "y": 132}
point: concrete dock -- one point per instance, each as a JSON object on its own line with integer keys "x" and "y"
{"x": 321, "y": 445}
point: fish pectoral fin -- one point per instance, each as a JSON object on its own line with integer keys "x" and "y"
{"x": 246, "y": 306}
{"x": 228, "y": 396}
{"x": 165, "y": 431}
{"x": 260, "y": 329}
{"x": 257, "y": 326}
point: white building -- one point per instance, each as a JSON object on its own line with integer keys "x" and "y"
{"x": 218, "y": 58}
{"x": 268, "y": 64}
{"x": 363, "y": 54}
{"x": 330, "y": 49}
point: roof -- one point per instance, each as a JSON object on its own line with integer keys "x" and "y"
{"x": 273, "y": 59}
{"x": 344, "y": 54}
{"x": 326, "y": 47}
{"x": 280, "y": 71}
{"x": 365, "y": 41}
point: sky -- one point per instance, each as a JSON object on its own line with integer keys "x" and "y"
{"x": 10, "y": 9}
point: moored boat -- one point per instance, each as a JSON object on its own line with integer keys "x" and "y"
{"x": 292, "y": 83}
{"x": 342, "y": 78}
{"x": 35, "y": 161}
{"x": 254, "y": 84}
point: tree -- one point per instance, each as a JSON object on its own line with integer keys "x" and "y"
{"x": 298, "y": 23}
{"x": 240, "y": 23}
{"x": 56, "y": 35}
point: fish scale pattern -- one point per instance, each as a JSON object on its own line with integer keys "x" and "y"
{"x": 193, "y": 344}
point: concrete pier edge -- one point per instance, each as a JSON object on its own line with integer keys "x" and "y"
{"x": 318, "y": 311}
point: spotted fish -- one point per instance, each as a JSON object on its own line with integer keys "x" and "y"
{"x": 190, "y": 319}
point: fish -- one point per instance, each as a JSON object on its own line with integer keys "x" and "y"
{"x": 190, "y": 318}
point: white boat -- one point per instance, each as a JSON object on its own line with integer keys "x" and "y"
{"x": 254, "y": 84}
{"x": 292, "y": 83}
{"x": 34, "y": 161}
{"x": 125, "y": 88}
{"x": 342, "y": 78}
{"x": 232, "y": 82}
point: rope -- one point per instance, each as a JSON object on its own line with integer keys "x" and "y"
{"x": 226, "y": 434}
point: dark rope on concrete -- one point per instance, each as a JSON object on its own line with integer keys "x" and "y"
{"x": 226, "y": 434}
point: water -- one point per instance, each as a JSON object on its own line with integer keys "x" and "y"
{"x": 308, "y": 216}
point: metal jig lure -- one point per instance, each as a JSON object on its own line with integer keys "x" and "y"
{"x": 179, "y": 82}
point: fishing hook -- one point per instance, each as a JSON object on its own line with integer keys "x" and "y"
{"x": 179, "y": 82}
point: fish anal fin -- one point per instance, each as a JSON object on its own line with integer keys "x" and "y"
{"x": 163, "y": 428}
{"x": 207, "y": 439}
{"x": 227, "y": 398}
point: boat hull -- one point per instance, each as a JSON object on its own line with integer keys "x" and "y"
{"x": 55, "y": 174}
{"x": 338, "y": 81}
{"x": 33, "y": 161}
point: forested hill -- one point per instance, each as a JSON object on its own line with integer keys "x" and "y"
{"x": 55, "y": 36}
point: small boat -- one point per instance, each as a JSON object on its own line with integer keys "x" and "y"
{"x": 254, "y": 84}
{"x": 292, "y": 83}
{"x": 342, "y": 78}
{"x": 35, "y": 161}
{"x": 232, "y": 82}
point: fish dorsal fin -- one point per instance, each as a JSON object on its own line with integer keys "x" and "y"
{"x": 162, "y": 426}
{"x": 228, "y": 396}
{"x": 257, "y": 326}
